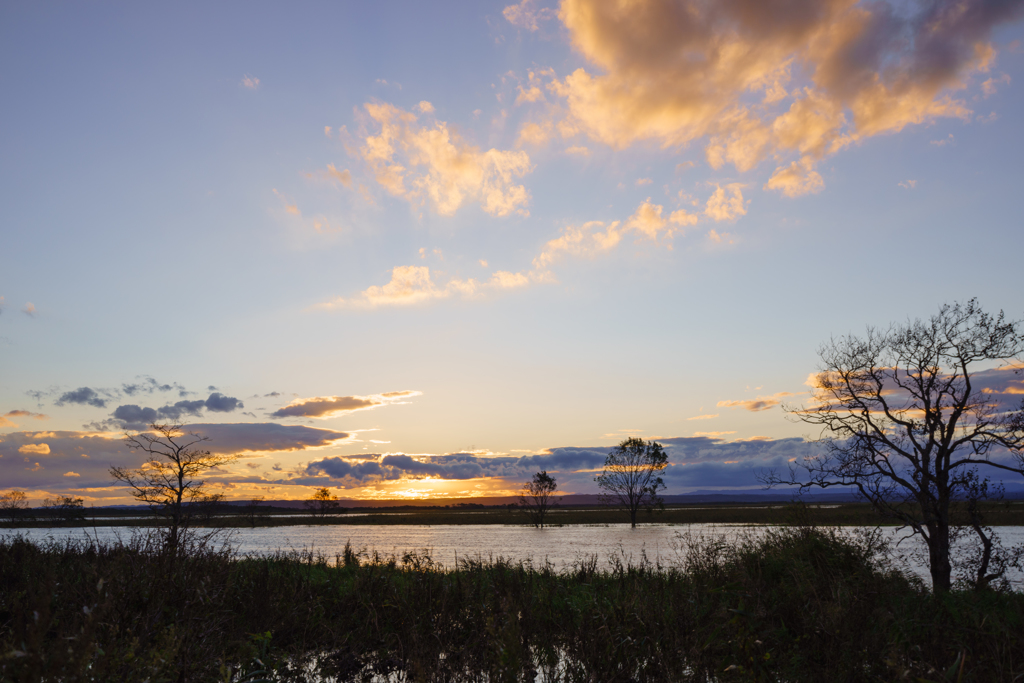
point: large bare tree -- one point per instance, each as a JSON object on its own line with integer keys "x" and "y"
{"x": 904, "y": 421}
{"x": 169, "y": 479}
{"x": 631, "y": 475}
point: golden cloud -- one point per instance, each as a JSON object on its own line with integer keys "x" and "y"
{"x": 757, "y": 404}
{"x": 324, "y": 407}
{"x": 430, "y": 163}
{"x": 726, "y": 203}
{"x": 763, "y": 79}
{"x": 411, "y": 285}
{"x": 36, "y": 448}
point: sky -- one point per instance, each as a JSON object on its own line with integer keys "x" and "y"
{"x": 407, "y": 249}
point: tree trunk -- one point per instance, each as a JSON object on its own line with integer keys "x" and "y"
{"x": 938, "y": 559}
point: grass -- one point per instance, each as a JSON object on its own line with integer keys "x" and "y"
{"x": 799, "y": 604}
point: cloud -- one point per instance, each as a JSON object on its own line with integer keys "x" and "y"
{"x": 29, "y": 309}
{"x": 82, "y": 396}
{"x": 250, "y": 82}
{"x": 578, "y": 151}
{"x": 90, "y": 454}
{"x": 695, "y": 462}
{"x": 324, "y": 407}
{"x": 72, "y": 474}
{"x": 36, "y": 448}
{"x": 344, "y": 177}
{"x": 431, "y": 164}
{"x": 596, "y": 237}
{"x": 527, "y": 15}
{"x": 219, "y": 403}
{"x": 411, "y": 285}
{"x": 799, "y": 178}
{"x": 757, "y": 404}
{"x": 132, "y": 416}
{"x": 989, "y": 87}
{"x": 726, "y": 203}
{"x": 148, "y": 385}
{"x": 772, "y": 79}
{"x": 703, "y": 417}
{"x": 260, "y": 437}
{"x": 908, "y": 184}
{"x": 720, "y": 238}
{"x": 5, "y": 422}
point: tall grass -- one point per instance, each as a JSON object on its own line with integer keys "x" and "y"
{"x": 800, "y": 604}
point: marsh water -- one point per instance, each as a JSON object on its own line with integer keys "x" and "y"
{"x": 446, "y": 544}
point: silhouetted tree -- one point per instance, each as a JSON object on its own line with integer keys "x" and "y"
{"x": 631, "y": 475}
{"x": 206, "y": 507}
{"x": 14, "y": 506}
{"x": 535, "y": 498}
{"x": 168, "y": 480}
{"x": 63, "y": 509}
{"x": 904, "y": 423}
{"x": 254, "y": 510}
{"x": 323, "y": 503}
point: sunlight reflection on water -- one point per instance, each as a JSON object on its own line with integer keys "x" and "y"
{"x": 561, "y": 546}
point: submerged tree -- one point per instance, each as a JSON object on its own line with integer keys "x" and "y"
{"x": 169, "y": 479}
{"x": 62, "y": 509}
{"x": 323, "y": 503}
{"x": 905, "y": 421}
{"x": 535, "y": 498}
{"x": 631, "y": 475}
{"x": 255, "y": 510}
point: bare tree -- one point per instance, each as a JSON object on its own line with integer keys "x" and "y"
{"x": 631, "y": 475}
{"x": 904, "y": 422}
{"x": 254, "y": 510}
{"x": 14, "y": 506}
{"x": 535, "y": 499}
{"x": 64, "y": 509}
{"x": 206, "y": 507}
{"x": 168, "y": 480}
{"x": 323, "y": 503}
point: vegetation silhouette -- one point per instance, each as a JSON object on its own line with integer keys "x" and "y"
{"x": 168, "y": 481}
{"x": 904, "y": 422}
{"x": 535, "y": 497}
{"x": 631, "y": 476}
{"x": 323, "y": 503}
{"x": 796, "y": 604}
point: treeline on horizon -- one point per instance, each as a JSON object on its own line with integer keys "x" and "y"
{"x": 801, "y": 603}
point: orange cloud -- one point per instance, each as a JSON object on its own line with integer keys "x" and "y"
{"x": 526, "y": 14}
{"x": 596, "y": 237}
{"x": 726, "y": 203}
{"x": 325, "y": 407}
{"x": 675, "y": 71}
{"x": 36, "y": 448}
{"x": 431, "y": 164}
{"x": 411, "y": 285}
{"x": 757, "y": 404}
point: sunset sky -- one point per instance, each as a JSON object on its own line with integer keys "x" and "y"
{"x": 413, "y": 249}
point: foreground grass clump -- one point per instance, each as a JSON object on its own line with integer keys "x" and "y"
{"x": 802, "y": 604}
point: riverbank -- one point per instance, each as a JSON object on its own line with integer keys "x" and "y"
{"x": 797, "y": 604}
{"x": 1010, "y": 513}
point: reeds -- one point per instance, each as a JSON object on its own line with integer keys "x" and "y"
{"x": 800, "y": 604}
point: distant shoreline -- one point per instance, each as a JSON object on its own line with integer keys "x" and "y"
{"x": 1008, "y": 513}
